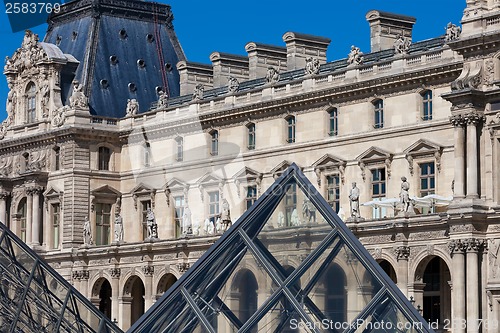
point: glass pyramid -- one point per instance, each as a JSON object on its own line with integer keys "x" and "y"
{"x": 289, "y": 264}
{"x": 35, "y": 298}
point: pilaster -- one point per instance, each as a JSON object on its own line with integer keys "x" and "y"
{"x": 457, "y": 251}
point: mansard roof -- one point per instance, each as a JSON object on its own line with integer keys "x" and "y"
{"x": 292, "y": 266}
{"x": 123, "y": 48}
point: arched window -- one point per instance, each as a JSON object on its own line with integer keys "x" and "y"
{"x": 179, "y": 155}
{"x": 25, "y": 162}
{"x": 57, "y": 158}
{"x": 104, "y": 158}
{"x": 333, "y": 122}
{"x": 214, "y": 144}
{"x": 31, "y": 103}
{"x": 426, "y": 105}
{"x": 378, "y": 108}
{"x": 251, "y": 136}
{"x": 290, "y": 121}
{"x": 21, "y": 211}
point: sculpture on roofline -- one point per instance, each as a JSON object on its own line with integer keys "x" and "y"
{"x": 233, "y": 84}
{"x": 77, "y": 98}
{"x": 162, "y": 99}
{"x": 312, "y": 66}
{"x": 452, "y": 32}
{"x": 272, "y": 75}
{"x": 355, "y": 56}
{"x": 198, "y": 92}
{"x": 132, "y": 107}
{"x": 402, "y": 45}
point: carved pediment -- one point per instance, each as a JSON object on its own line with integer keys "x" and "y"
{"x": 52, "y": 194}
{"x": 423, "y": 149}
{"x": 143, "y": 190}
{"x": 175, "y": 185}
{"x": 280, "y": 168}
{"x": 373, "y": 156}
{"x": 106, "y": 191}
{"x": 247, "y": 175}
{"x": 329, "y": 163}
{"x": 209, "y": 180}
{"x": 27, "y": 55}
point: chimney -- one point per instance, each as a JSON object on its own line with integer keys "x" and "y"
{"x": 193, "y": 73}
{"x": 262, "y": 56}
{"x": 386, "y": 27}
{"x": 226, "y": 65}
{"x": 299, "y": 47}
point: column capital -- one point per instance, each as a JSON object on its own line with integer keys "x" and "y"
{"x": 473, "y": 244}
{"x": 4, "y": 195}
{"x": 458, "y": 120}
{"x": 474, "y": 118}
{"x": 80, "y": 275}
{"x": 34, "y": 190}
{"x": 456, "y": 246}
{"x": 402, "y": 252}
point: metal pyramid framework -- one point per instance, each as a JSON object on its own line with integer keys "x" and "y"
{"x": 35, "y": 298}
{"x": 289, "y": 264}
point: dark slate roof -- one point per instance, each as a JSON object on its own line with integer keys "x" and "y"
{"x": 122, "y": 47}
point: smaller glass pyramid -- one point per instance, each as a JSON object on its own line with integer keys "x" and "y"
{"x": 35, "y": 298}
{"x": 289, "y": 264}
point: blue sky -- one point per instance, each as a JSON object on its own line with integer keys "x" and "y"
{"x": 227, "y": 26}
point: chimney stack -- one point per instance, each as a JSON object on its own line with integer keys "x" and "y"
{"x": 262, "y": 56}
{"x": 386, "y": 27}
{"x": 299, "y": 47}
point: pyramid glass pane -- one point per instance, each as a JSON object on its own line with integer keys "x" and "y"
{"x": 34, "y": 298}
{"x": 285, "y": 266}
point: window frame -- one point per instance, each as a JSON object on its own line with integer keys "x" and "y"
{"x": 430, "y": 177}
{"x": 251, "y": 138}
{"x": 291, "y": 128}
{"x": 99, "y": 237}
{"x": 213, "y": 206}
{"x": 426, "y": 105}
{"x": 214, "y": 143}
{"x": 333, "y": 122}
{"x": 250, "y": 198}
{"x": 104, "y": 164}
{"x": 381, "y": 184}
{"x": 178, "y": 213}
{"x": 147, "y": 154}
{"x": 144, "y": 217}
{"x": 179, "y": 149}
{"x": 31, "y": 99}
{"x": 378, "y": 112}
{"x": 55, "y": 225}
{"x": 335, "y": 202}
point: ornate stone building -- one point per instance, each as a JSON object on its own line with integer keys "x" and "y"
{"x": 119, "y": 158}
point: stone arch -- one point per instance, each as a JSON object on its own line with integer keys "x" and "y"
{"x": 415, "y": 266}
{"x": 244, "y": 292}
{"x": 165, "y": 282}
{"x": 335, "y": 293}
{"x": 134, "y": 299}
{"x": 101, "y": 296}
{"x": 388, "y": 269}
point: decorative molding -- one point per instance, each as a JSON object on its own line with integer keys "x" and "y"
{"x": 183, "y": 267}
{"x": 115, "y": 272}
{"x": 148, "y": 270}
{"x": 402, "y": 252}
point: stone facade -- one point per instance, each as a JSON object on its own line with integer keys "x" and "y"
{"x": 430, "y": 114}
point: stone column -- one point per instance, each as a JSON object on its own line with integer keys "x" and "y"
{"x": 36, "y": 217}
{"x": 458, "y": 300}
{"x": 402, "y": 255}
{"x": 473, "y": 119}
{"x": 29, "y": 217}
{"x": 148, "y": 286}
{"x": 459, "y": 138}
{"x": 3, "y": 207}
{"x": 115, "y": 292}
{"x": 473, "y": 247}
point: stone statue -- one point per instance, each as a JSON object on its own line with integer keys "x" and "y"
{"x": 11, "y": 104}
{"x": 404, "y": 195}
{"x": 162, "y": 99}
{"x": 452, "y": 32}
{"x": 118, "y": 228}
{"x": 233, "y": 84}
{"x": 312, "y": 66}
{"x": 132, "y": 107}
{"x": 355, "y": 56}
{"x": 198, "y": 92}
{"x": 187, "y": 227}
{"x": 209, "y": 227}
{"x": 218, "y": 225}
{"x": 87, "y": 232}
{"x": 225, "y": 215}
{"x": 354, "y": 199}
{"x": 151, "y": 224}
{"x": 281, "y": 219}
{"x": 196, "y": 228}
{"x": 294, "y": 219}
{"x": 77, "y": 98}
{"x": 272, "y": 75}
{"x": 308, "y": 211}
{"x": 45, "y": 93}
{"x": 402, "y": 45}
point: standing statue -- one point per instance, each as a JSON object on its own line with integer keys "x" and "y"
{"x": 151, "y": 224}
{"x": 218, "y": 226}
{"x": 281, "y": 219}
{"x": 402, "y": 45}
{"x": 187, "y": 227}
{"x": 354, "y": 200}
{"x": 233, "y": 85}
{"x": 209, "y": 227}
{"x": 225, "y": 215}
{"x": 312, "y": 66}
{"x": 77, "y": 98}
{"x": 452, "y": 32}
{"x": 198, "y": 92}
{"x": 11, "y": 105}
{"x": 295, "y": 218}
{"x": 404, "y": 195}
{"x": 162, "y": 99}
{"x": 87, "y": 232}
{"x": 118, "y": 228}
{"x": 45, "y": 92}
{"x": 308, "y": 211}
{"x": 272, "y": 75}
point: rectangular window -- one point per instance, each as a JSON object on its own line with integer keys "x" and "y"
{"x": 102, "y": 223}
{"x": 144, "y": 220}
{"x": 251, "y": 196}
{"x": 333, "y": 191}
{"x": 56, "y": 225}
{"x": 179, "y": 204}
{"x": 57, "y": 155}
{"x": 290, "y": 129}
{"x": 334, "y": 125}
{"x": 290, "y": 204}
{"x": 213, "y": 206}
{"x": 427, "y": 179}
{"x": 251, "y": 136}
{"x": 214, "y": 147}
{"x": 180, "y": 149}
{"x": 379, "y": 114}
{"x": 104, "y": 157}
{"x": 427, "y": 105}
{"x": 378, "y": 191}
{"x": 22, "y": 212}
{"x": 147, "y": 155}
